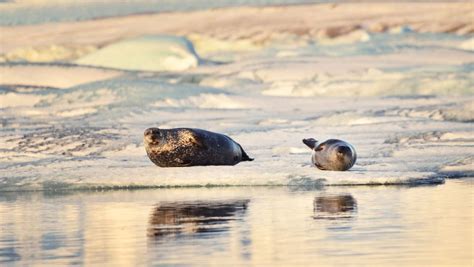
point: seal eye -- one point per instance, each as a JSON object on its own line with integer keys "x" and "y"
{"x": 152, "y": 132}
{"x": 152, "y": 136}
{"x": 147, "y": 132}
{"x": 319, "y": 148}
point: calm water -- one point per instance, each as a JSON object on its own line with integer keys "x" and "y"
{"x": 252, "y": 226}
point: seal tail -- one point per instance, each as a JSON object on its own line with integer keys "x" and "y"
{"x": 245, "y": 157}
{"x": 310, "y": 142}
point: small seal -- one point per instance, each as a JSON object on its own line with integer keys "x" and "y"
{"x": 332, "y": 155}
{"x": 183, "y": 147}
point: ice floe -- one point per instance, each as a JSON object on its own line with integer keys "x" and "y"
{"x": 403, "y": 98}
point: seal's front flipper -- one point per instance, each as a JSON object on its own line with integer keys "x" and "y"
{"x": 310, "y": 142}
{"x": 196, "y": 139}
{"x": 245, "y": 157}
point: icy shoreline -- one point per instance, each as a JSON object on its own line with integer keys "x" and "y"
{"x": 402, "y": 97}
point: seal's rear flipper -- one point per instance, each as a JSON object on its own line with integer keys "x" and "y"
{"x": 310, "y": 142}
{"x": 245, "y": 157}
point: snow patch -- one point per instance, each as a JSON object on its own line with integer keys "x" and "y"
{"x": 9, "y": 100}
{"x": 203, "y": 101}
{"x": 468, "y": 44}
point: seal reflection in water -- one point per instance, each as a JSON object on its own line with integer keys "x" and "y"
{"x": 183, "y": 147}
{"x": 334, "y": 207}
{"x": 184, "y": 218}
{"x": 332, "y": 155}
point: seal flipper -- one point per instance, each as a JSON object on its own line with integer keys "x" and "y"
{"x": 196, "y": 139}
{"x": 310, "y": 142}
{"x": 245, "y": 157}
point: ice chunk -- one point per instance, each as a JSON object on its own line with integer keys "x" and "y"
{"x": 147, "y": 53}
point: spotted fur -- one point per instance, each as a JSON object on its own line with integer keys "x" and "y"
{"x": 183, "y": 147}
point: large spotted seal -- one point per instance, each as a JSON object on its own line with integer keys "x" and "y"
{"x": 332, "y": 155}
{"x": 183, "y": 147}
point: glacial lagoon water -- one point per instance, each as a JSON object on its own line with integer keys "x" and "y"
{"x": 428, "y": 225}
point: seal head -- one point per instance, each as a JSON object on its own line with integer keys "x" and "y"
{"x": 182, "y": 147}
{"x": 332, "y": 155}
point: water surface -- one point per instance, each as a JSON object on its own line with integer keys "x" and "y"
{"x": 251, "y": 226}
